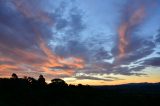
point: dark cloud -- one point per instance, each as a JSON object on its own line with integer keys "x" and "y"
{"x": 157, "y": 38}
{"x": 92, "y": 78}
{"x": 72, "y": 48}
{"x": 129, "y": 71}
{"x": 144, "y": 48}
{"x": 155, "y": 61}
{"x": 65, "y": 67}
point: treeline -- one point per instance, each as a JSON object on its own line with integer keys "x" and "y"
{"x": 30, "y": 82}
{"x": 28, "y": 91}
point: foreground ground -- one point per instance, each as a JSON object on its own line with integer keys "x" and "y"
{"x": 24, "y": 92}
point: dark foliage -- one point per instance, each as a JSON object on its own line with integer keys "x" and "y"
{"x": 28, "y": 91}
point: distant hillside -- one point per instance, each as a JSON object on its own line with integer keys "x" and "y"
{"x": 138, "y": 88}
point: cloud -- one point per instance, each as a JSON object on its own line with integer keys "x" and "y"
{"x": 67, "y": 30}
{"x": 82, "y": 76}
{"x": 26, "y": 29}
{"x": 91, "y": 78}
{"x": 134, "y": 15}
{"x": 132, "y": 46}
{"x": 53, "y": 38}
{"x": 155, "y": 61}
{"x": 157, "y": 38}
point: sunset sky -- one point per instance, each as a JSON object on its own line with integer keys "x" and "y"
{"x": 95, "y": 42}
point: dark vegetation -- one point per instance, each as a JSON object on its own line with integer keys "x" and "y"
{"x": 28, "y": 91}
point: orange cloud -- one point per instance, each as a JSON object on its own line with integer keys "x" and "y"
{"x": 54, "y": 60}
{"x": 7, "y": 67}
{"x": 41, "y": 61}
{"x": 122, "y": 39}
{"x": 126, "y": 26}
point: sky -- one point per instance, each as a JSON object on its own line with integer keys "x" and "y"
{"x": 95, "y": 42}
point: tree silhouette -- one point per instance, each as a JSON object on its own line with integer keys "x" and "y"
{"x": 58, "y": 83}
{"x": 14, "y": 76}
{"x": 41, "y": 80}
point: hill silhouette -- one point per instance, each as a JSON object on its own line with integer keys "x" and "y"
{"x": 28, "y": 91}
